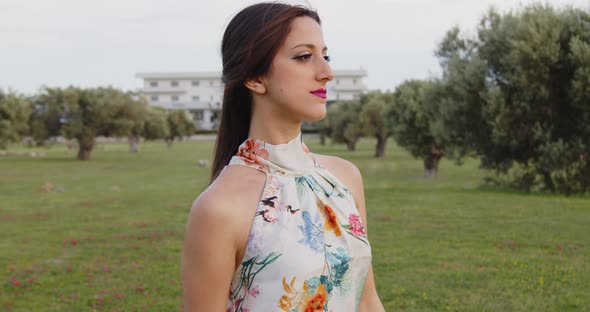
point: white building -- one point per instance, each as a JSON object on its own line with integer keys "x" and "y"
{"x": 201, "y": 92}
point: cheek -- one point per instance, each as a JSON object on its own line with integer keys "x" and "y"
{"x": 283, "y": 85}
{"x": 285, "y": 74}
{"x": 287, "y": 80}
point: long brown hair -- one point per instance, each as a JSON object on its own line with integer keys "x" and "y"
{"x": 250, "y": 42}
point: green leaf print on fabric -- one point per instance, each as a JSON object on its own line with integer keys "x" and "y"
{"x": 307, "y": 183}
{"x": 333, "y": 186}
{"x": 305, "y": 186}
{"x": 338, "y": 266}
{"x": 250, "y": 268}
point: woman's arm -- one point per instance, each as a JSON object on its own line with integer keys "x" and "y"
{"x": 370, "y": 301}
{"x": 208, "y": 257}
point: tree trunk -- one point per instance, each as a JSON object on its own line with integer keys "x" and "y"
{"x": 548, "y": 181}
{"x": 380, "y": 148}
{"x": 133, "y": 144}
{"x": 428, "y": 171}
{"x": 431, "y": 162}
{"x": 322, "y": 139}
{"x": 351, "y": 145}
{"x": 85, "y": 148}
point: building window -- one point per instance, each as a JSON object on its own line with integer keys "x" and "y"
{"x": 211, "y": 98}
{"x": 153, "y": 83}
{"x": 196, "y": 83}
{"x": 214, "y": 116}
{"x": 174, "y": 98}
{"x": 354, "y": 81}
{"x": 154, "y": 98}
{"x": 195, "y": 98}
{"x": 337, "y": 81}
{"x": 211, "y": 83}
{"x": 198, "y": 115}
{"x": 174, "y": 83}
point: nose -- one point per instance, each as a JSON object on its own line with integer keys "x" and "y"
{"x": 325, "y": 71}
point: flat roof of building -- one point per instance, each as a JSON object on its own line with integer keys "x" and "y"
{"x": 217, "y": 75}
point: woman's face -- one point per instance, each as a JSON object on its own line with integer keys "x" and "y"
{"x": 297, "y": 78}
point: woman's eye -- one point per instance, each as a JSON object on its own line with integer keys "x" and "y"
{"x": 303, "y": 57}
{"x": 307, "y": 56}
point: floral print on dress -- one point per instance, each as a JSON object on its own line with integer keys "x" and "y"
{"x": 252, "y": 152}
{"x": 273, "y": 186}
{"x": 312, "y": 231}
{"x": 242, "y": 290}
{"x": 307, "y": 249}
{"x": 331, "y": 220}
{"x": 313, "y": 296}
{"x": 356, "y": 229}
{"x": 316, "y": 291}
{"x": 356, "y": 226}
{"x": 252, "y": 149}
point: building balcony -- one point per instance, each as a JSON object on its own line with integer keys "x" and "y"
{"x": 349, "y": 88}
{"x": 162, "y": 90}
{"x": 196, "y": 105}
{"x": 179, "y": 75}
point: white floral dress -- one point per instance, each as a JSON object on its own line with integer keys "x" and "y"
{"x": 307, "y": 249}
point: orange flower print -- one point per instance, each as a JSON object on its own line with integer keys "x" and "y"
{"x": 304, "y": 301}
{"x": 251, "y": 150}
{"x": 305, "y": 148}
{"x": 318, "y": 300}
{"x": 331, "y": 221}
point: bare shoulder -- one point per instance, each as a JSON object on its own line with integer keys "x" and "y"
{"x": 345, "y": 171}
{"x": 230, "y": 197}
{"x": 215, "y": 236}
{"x": 339, "y": 166}
{"x": 233, "y": 183}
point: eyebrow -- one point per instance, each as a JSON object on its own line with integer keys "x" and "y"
{"x": 309, "y": 45}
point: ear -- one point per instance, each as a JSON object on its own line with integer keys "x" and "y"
{"x": 256, "y": 85}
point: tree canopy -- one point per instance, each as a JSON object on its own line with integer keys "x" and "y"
{"x": 517, "y": 96}
{"x": 14, "y": 115}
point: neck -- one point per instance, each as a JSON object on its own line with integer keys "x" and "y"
{"x": 272, "y": 127}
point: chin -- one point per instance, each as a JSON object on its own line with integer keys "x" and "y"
{"x": 317, "y": 116}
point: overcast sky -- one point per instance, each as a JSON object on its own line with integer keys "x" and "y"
{"x": 98, "y": 43}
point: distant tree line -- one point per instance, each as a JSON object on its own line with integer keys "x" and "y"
{"x": 516, "y": 95}
{"x": 84, "y": 114}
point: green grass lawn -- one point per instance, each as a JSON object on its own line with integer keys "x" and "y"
{"x": 109, "y": 235}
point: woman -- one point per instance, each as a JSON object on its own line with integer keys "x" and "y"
{"x": 288, "y": 235}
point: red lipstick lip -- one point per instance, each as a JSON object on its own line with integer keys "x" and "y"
{"x": 321, "y": 92}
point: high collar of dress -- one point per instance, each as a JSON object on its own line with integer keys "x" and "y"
{"x": 292, "y": 157}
